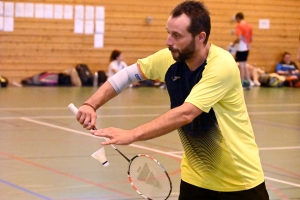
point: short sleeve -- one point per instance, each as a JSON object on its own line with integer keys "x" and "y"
{"x": 217, "y": 79}
{"x": 155, "y": 66}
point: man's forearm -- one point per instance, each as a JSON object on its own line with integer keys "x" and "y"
{"x": 103, "y": 94}
{"x": 166, "y": 123}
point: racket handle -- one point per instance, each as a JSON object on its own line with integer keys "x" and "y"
{"x": 73, "y": 108}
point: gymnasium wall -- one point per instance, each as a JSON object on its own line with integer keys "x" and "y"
{"x": 37, "y": 45}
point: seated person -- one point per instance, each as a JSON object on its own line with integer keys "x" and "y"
{"x": 116, "y": 63}
{"x": 286, "y": 67}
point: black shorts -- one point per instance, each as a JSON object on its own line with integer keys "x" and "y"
{"x": 191, "y": 192}
{"x": 241, "y": 56}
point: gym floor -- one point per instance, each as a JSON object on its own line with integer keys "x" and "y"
{"x": 46, "y": 154}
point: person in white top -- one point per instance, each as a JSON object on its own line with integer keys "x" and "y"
{"x": 116, "y": 63}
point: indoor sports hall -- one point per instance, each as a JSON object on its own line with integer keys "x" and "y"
{"x": 46, "y": 154}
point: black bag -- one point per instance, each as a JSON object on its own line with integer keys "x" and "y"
{"x": 101, "y": 77}
{"x": 64, "y": 79}
{"x": 85, "y": 74}
{"x": 3, "y": 81}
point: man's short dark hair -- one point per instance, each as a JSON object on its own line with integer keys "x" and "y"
{"x": 198, "y": 14}
{"x": 239, "y": 15}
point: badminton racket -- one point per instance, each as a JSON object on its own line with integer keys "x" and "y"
{"x": 146, "y": 175}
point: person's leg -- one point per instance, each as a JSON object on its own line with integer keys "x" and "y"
{"x": 257, "y": 193}
{"x": 241, "y": 57}
{"x": 191, "y": 192}
{"x": 253, "y": 74}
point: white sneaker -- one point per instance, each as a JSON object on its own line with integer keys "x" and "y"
{"x": 256, "y": 83}
{"x": 251, "y": 83}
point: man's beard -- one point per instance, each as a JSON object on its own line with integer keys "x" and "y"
{"x": 185, "y": 53}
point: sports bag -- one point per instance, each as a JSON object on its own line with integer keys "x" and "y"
{"x": 3, "y": 81}
{"x": 41, "y": 79}
{"x": 101, "y": 77}
{"x": 84, "y": 74}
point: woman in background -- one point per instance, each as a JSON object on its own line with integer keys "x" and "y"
{"x": 116, "y": 63}
{"x": 286, "y": 67}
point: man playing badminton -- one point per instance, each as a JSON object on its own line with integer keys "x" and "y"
{"x": 221, "y": 159}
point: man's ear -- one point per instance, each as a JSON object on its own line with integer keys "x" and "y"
{"x": 202, "y": 36}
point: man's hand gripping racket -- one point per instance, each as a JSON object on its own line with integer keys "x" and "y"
{"x": 146, "y": 175}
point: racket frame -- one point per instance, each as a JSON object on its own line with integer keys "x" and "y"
{"x": 158, "y": 163}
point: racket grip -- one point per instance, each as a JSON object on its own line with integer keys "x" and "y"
{"x": 73, "y": 108}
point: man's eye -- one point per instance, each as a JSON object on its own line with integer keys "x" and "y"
{"x": 175, "y": 35}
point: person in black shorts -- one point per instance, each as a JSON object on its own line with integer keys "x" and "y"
{"x": 244, "y": 38}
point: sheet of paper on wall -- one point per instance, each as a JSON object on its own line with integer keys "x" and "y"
{"x": 68, "y": 12}
{"x": 89, "y": 12}
{"x": 48, "y": 8}
{"x": 89, "y": 27}
{"x": 98, "y": 40}
{"x": 29, "y": 9}
{"x": 264, "y": 24}
{"x": 78, "y": 26}
{"x": 20, "y": 10}
{"x": 100, "y": 13}
{"x": 8, "y": 24}
{"x": 1, "y": 23}
{"x": 99, "y": 26}
{"x": 39, "y": 10}
{"x": 9, "y": 9}
{"x": 1, "y": 8}
{"x": 58, "y": 11}
{"x": 79, "y": 12}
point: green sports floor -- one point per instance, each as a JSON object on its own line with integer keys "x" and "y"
{"x": 46, "y": 154}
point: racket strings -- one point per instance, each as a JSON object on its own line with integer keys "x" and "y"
{"x": 149, "y": 177}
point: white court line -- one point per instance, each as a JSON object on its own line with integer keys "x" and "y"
{"x": 69, "y": 116}
{"x": 274, "y": 113}
{"x": 280, "y": 181}
{"x": 139, "y": 107}
{"x": 270, "y": 105}
{"x": 138, "y": 146}
{"x": 139, "y": 115}
{"x": 278, "y": 148}
{"x": 102, "y": 108}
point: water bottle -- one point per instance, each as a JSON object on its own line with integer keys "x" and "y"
{"x": 95, "y": 83}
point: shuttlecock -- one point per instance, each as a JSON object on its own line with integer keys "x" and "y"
{"x": 100, "y": 156}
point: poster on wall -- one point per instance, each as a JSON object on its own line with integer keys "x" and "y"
{"x": 8, "y": 24}
{"x": 79, "y": 12}
{"x": 1, "y": 23}
{"x": 99, "y": 26}
{"x": 68, "y": 12}
{"x": 58, "y": 11}
{"x": 20, "y": 10}
{"x": 1, "y": 8}
{"x": 9, "y": 9}
{"x": 99, "y": 13}
{"x": 48, "y": 14}
{"x": 39, "y": 10}
{"x": 89, "y": 27}
{"x": 89, "y": 12}
{"x": 29, "y": 10}
{"x": 98, "y": 40}
{"x": 78, "y": 26}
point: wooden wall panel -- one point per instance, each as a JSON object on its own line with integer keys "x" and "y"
{"x": 38, "y": 45}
